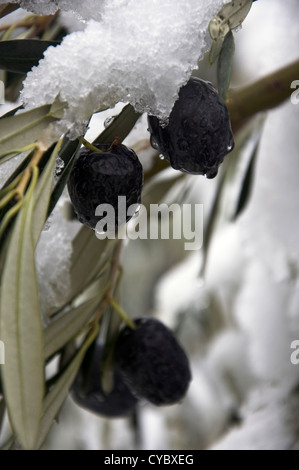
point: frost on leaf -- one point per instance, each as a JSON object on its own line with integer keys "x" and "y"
{"x": 139, "y": 52}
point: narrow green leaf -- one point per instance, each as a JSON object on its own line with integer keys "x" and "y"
{"x": 230, "y": 17}
{"x": 235, "y": 12}
{"x": 223, "y": 206}
{"x": 156, "y": 189}
{"x": 62, "y": 330}
{"x": 57, "y": 395}
{"x": 42, "y": 194}
{"x": 224, "y": 66}
{"x": 67, "y": 154}
{"x": 20, "y": 55}
{"x": 22, "y": 129}
{"x": 247, "y": 183}
{"x": 215, "y": 49}
{"x": 88, "y": 258}
{"x": 121, "y": 126}
{"x": 21, "y": 330}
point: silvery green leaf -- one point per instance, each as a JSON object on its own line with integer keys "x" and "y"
{"x": 68, "y": 153}
{"x": 230, "y": 17}
{"x": 43, "y": 193}
{"x": 59, "y": 391}
{"x": 156, "y": 189}
{"x": 21, "y": 330}
{"x": 230, "y": 183}
{"x": 235, "y": 12}
{"x": 248, "y": 177}
{"x": 22, "y": 129}
{"x": 224, "y": 66}
{"x": 88, "y": 258}
{"x": 215, "y": 49}
{"x": 66, "y": 327}
{"x": 120, "y": 127}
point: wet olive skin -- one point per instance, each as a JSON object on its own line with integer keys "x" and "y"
{"x": 198, "y": 135}
{"x": 99, "y": 178}
{"x": 152, "y": 362}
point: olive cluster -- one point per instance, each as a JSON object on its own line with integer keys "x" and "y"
{"x": 195, "y": 140}
{"x": 149, "y": 364}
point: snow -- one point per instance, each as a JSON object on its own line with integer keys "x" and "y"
{"x": 86, "y": 9}
{"x": 53, "y": 258}
{"x": 269, "y": 423}
{"x": 139, "y": 52}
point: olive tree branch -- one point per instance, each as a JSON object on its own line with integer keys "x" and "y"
{"x": 261, "y": 95}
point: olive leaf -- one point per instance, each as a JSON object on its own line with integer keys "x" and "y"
{"x": 231, "y": 196}
{"x": 120, "y": 127}
{"x": 224, "y": 66}
{"x": 234, "y": 13}
{"x": 68, "y": 154}
{"x": 43, "y": 193}
{"x": 20, "y": 130}
{"x": 63, "y": 329}
{"x": 247, "y": 182}
{"x": 60, "y": 389}
{"x": 157, "y": 187}
{"x": 230, "y": 17}
{"x": 23, "y": 129}
{"x": 88, "y": 258}
{"x": 21, "y": 330}
{"x": 20, "y": 55}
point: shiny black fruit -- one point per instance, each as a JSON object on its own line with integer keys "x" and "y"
{"x": 100, "y": 178}
{"x": 198, "y": 134}
{"x": 152, "y": 362}
{"x": 87, "y": 390}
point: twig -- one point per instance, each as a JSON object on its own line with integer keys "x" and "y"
{"x": 114, "y": 304}
{"x": 262, "y": 95}
{"x": 113, "y": 277}
{"x": 90, "y": 146}
{"x": 21, "y": 188}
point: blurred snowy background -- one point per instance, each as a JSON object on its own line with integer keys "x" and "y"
{"x": 238, "y": 322}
